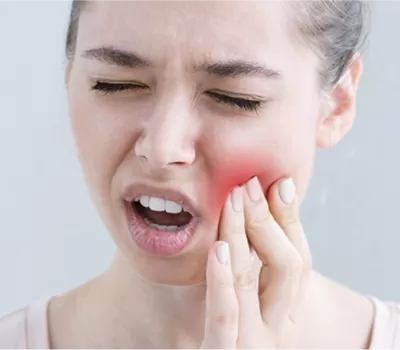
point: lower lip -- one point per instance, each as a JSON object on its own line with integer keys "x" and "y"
{"x": 161, "y": 243}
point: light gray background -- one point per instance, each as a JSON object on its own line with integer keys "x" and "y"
{"x": 50, "y": 236}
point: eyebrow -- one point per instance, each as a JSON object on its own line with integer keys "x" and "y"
{"x": 116, "y": 57}
{"x": 223, "y": 69}
{"x": 238, "y": 69}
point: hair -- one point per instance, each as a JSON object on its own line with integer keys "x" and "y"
{"x": 335, "y": 30}
{"x": 73, "y": 26}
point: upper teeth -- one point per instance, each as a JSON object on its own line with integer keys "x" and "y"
{"x": 158, "y": 204}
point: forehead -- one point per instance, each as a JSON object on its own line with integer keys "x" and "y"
{"x": 192, "y": 30}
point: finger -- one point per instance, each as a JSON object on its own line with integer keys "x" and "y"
{"x": 222, "y": 314}
{"x": 284, "y": 207}
{"x": 280, "y": 275}
{"x": 232, "y": 230}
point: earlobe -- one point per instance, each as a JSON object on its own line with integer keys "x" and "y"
{"x": 339, "y": 108}
{"x": 331, "y": 131}
{"x": 336, "y": 132}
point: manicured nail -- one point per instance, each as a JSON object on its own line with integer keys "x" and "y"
{"x": 254, "y": 189}
{"x": 237, "y": 199}
{"x": 287, "y": 191}
{"x": 223, "y": 253}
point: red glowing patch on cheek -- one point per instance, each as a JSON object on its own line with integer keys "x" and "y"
{"x": 236, "y": 171}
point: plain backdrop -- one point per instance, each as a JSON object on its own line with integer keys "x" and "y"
{"x": 51, "y": 238}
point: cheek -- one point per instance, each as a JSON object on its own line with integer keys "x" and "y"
{"x": 101, "y": 133}
{"x": 102, "y": 141}
{"x": 265, "y": 156}
{"x": 237, "y": 170}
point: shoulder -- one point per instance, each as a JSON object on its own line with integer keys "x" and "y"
{"x": 386, "y": 329}
{"x": 25, "y": 328}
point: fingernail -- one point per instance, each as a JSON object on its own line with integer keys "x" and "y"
{"x": 254, "y": 189}
{"x": 287, "y": 191}
{"x": 223, "y": 253}
{"x": 237, "y": 199}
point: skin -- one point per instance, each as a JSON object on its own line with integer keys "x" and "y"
{"x": 171, "y": 133}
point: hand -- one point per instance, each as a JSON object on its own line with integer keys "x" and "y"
{"x": 257, "y": 308}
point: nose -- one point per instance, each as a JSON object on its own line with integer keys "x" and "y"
{"x": 168, "y": 137}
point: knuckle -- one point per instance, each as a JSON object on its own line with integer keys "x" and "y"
{"x": 289, "y": 215}
{"x": 246, "y": 280}
{"x": 260, "y": 220}
{"x": 296, "y": 263}
{"x": 227, "y": 320}
{"x": 291, "y": 220}
{"x": 225, "y": 283}
{"x": 291, "y": 263}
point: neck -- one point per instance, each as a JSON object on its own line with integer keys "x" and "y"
{"x": 123, "y": 309}
{"x": 144, "y": 314}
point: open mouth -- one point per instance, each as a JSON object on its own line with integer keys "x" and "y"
{"x": 160, "y": 214}
{"x": 160, "y": 222}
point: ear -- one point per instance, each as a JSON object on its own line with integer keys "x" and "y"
{"x": 339, "y": 107}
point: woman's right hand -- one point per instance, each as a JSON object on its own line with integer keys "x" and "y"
{"x": 247, "y": 307}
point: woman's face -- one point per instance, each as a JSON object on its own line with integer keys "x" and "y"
{"x": 205, "y": 95}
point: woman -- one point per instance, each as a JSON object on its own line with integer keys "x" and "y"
{"x": 196, "y": 125}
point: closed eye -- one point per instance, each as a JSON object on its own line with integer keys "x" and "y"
{"x": 107, "y": 87}
{"x": 242, "y": 103}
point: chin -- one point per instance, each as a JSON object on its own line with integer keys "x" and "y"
{"x": 184, "y": 269}
{"x": 168, "y": 256}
